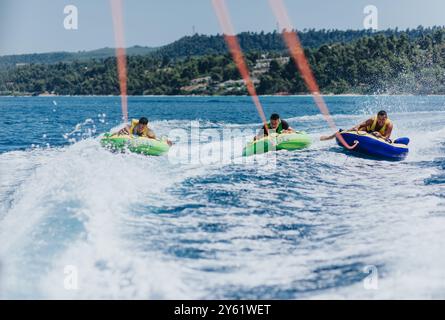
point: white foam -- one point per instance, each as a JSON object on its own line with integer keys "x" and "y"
{"x": 84, "y": 206}
{"x": 92, "y": 189}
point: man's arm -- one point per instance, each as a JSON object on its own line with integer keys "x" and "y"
{"x": 387, "y": 134}
{"x": 151, "y": 134}
{"x": 125, "y": 130}
{"x": 362, "y": 125}
{"x": 389, "y": 131}
{"x": 288, "y": 130}
{"x": 286, "y": 127}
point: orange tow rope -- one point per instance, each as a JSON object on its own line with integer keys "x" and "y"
{"x": 237, "y": 55}
{"x": 118, "y": 23}
{"x": 296, "y": 51}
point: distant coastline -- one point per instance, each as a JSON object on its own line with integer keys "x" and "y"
{"x": 223, "y": 96}
{"x": 345, "y": 63}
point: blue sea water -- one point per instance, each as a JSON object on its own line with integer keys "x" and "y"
{"x": 317, "y": 223}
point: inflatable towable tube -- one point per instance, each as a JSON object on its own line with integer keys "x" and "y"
{"x": 372, "y": 146}
{"x": 284, "y": 141}
{"x": 135, "y": 144}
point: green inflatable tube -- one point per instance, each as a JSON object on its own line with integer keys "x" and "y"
{"x": 140, "y": 145}
{"x": 285, "y": 141}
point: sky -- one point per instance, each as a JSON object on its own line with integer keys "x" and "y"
{"x": 30, "y": 26}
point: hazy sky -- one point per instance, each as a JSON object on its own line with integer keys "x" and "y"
{"x": 37, "y": 25}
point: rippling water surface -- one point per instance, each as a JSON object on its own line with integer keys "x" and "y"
{"x": 301, "y": 225}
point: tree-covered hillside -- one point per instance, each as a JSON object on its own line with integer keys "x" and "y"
{"x": 398, "y": 62}
{"x": 200, "y": 45}
{"x": 55, "y": 57}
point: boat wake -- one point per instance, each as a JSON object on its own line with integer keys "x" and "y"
{"x": 131, "y": 227}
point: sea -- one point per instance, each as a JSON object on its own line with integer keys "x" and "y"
{"x": 78, "y": 221}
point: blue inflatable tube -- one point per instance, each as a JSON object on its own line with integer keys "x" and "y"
{"x": 372, "y": 146}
